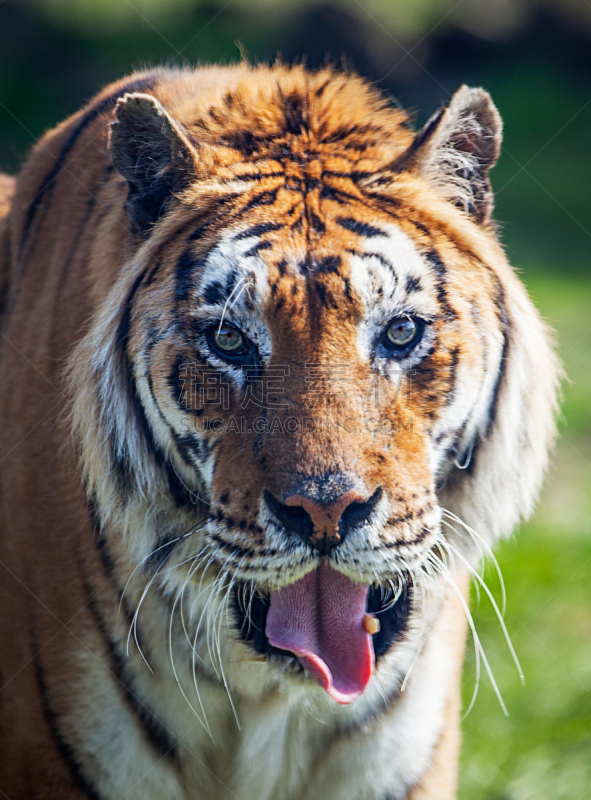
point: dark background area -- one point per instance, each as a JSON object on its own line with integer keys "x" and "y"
{"x": 54, "y": 56}
{"x": 535, "y": 59}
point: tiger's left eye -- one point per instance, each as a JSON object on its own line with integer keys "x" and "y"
{"x": 402, "y": 333}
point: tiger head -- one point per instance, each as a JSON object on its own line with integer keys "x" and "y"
{"x": 317, "y": 384}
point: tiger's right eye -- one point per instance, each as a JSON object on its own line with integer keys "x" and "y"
{"x": 228, "y": 342}
{"x": 228, "y": 339}
{"x": 402, "y": 334}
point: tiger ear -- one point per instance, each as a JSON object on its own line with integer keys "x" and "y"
{"x": 152, "y": 151}
{"x": 456, "y": 149}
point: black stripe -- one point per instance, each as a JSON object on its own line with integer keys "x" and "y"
{"x": 258, "y": 230}
{"x": 360, "y": 134}
{"x": 161, "y": 552}
{"x": 122, "y": 338}
{"x": 184, "y": 444}
{"x": 493, "y": 407}
{"x": 360, "y": 228}
{"x": 177, "y": 387}
{"x": 374, "y": 202}
{"x": 319, "y": 91}
{"x": 325, "y": 299}
{"x": 383, "y": 261}
{"x": 111, "y": 574}
{"x": 352, "y": 175}
{"x": 282, "y": 269}
{"x": 107, "y": 561}
{"x": 260, "y": 246}
{"x": 265, "y": 198}
{"x": 86, "y": 119}
{"x": 501, "y": 375}
{"x": 420, "y": 227}
{"x": 184, "y": 270}
{"x": 329, "y": 193}
{"x": 316, "y": 224}
{"x": 407, "y": 158}
{"x": 63, "y": 747}
{"x": 295, "y": 111}
{"x": 152, "y": 274}
{"x": 65, "y": 266}
{"x": 153, "y": 728}
{"x": 243, "y": 141}
{"x": 200, "y": 231}
{"x": 412, "y": 284}
{"x": 387, "y": 204}
{"x": 120, "y": 463}
{"x": 233, "y": 549}
{"x": 180, "y": 495}
{"x": 257, "y": 177}
{"x": 222, "y": 207}
{"x": 330, "y": 264}
{"x": 214, "y": 294}
{"x": 182, "y": 274}
{"x": 189, "y": 447}
{"x": 420, "y": 537}
{"x": 452, "y": 372}
{"x": 440, "y": 270}
{"x": 338, "y": 195}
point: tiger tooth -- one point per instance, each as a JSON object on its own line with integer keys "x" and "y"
{"x": 371, "y": 624}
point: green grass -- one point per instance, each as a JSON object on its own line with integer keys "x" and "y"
{"x": 542, "y": 751}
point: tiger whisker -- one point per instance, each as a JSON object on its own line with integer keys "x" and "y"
{"x": 478, "y": 644}
{"x": 230, "y": 698}
{"x": 196, "y": 563}
{"x": 445, "y": 573}
{"x": 174, "y": 670}
{"x": 193, "y": 644}
{"x": 213, "y": 641}
{"x": 133, "y": 625}
{"x": 411, "y": 667}
{"x": 190, "y": 532}
{"x": 482, "y": 543}
{"x": 477, "y": 577}
{"x": 213, "y": 589}
{"x": 241, "y": 283}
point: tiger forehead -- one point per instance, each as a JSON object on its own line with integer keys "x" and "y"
{"x": 293, "y": 116}
{"x": 354, "y": 269}
{"x": 286, "y": 230}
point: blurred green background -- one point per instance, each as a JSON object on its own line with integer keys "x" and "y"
{"x": 534, "y": 56}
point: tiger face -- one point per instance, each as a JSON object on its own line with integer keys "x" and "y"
{"x": 302, "y": 373}
{"x": 310, "y": 387}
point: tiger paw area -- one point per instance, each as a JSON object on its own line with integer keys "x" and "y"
{"x": 535, "y": 59}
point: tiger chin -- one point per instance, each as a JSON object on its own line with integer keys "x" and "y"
{"x": 270, "y": 390}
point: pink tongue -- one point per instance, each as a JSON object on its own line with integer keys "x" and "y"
{"x": 320, "y": 620}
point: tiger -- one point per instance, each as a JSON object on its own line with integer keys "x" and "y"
{"x": 270, "y": 392}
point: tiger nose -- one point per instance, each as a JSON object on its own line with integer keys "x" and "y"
{"x": 323, "y": 526}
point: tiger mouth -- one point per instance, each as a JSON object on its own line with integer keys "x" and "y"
{"x": 255, "y": 625}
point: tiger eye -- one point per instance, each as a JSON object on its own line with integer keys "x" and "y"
{"x": 401, "y": 333}
{"x": 228, "y": 339}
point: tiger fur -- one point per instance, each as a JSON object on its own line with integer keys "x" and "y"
{"x": 148, "y": 551}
